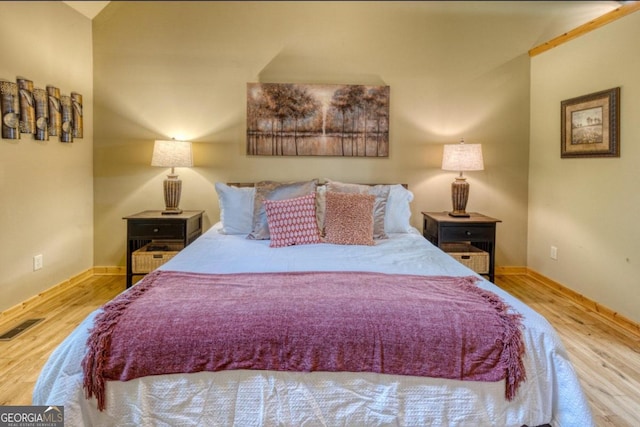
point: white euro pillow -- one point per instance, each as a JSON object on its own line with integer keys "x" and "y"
{"x": 397, "y": 218}
{"x": 236, "y": 208}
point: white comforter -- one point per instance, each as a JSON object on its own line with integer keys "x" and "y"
{"x": 551, "y": 393}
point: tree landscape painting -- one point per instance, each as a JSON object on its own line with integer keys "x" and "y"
{"x": 586, "y": 126}
{"x": 317, "y": 120}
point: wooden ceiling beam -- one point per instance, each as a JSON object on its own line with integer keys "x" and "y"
{"x": 624, "y": 10}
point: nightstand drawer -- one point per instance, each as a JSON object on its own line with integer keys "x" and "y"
{"x": 156, "y": 230}
{"x": 466, "y": 233}
{"x": 442, "y": 229}
{"x": 155, "y": 226}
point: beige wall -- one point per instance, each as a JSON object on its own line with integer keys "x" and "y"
{"x": 46, "y": 188}
{"x": 180, "y": 69}
{"x": 167, "y": 69}
{"x": 588, "y": 208}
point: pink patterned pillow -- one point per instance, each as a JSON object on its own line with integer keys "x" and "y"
{"x": 349, "y": 218}
{"x": 292, "y": 221}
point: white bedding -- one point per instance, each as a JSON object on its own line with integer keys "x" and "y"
{"x": 551, "y": 393}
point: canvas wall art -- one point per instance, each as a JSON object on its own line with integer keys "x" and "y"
{"x": 317, "y": 120}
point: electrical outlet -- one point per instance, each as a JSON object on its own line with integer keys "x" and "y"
{"x": 37, "y": 262}
{"x": 554, "y": 253}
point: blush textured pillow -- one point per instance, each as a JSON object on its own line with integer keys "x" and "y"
{"x": 349, "y": 218}
{"x": 381, "y": 193}
{"x": 292, "y": 221}
{"x": 272, "y": 190}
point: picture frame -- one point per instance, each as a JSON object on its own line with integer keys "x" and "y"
{"x": 286, "y": 119}
{"x": 590, "y": 125}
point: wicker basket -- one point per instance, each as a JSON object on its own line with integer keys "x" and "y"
{"x": 474, "y": 258}
{"x": 153, "y": 255}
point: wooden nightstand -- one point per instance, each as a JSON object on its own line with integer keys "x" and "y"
{"x": 479, "y": 230}
{"x": 147, "y": 226}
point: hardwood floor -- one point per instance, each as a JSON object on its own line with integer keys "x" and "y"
{"x": 22, "y": 358}
{"x": 606, "y": 358}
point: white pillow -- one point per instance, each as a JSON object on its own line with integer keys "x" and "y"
{"x": 236, "y": 208}
{"x": 398, "y": 212}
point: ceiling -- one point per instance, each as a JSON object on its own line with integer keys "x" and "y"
{"x": 558, "y": 16}
{"x": 88, "y": 8}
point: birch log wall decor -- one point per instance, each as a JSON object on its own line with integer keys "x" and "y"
{"x": 40, "y": 112}
{"x": 10, "y": 110}
{"x": 67, "y": 119}
{"x": 55, "y": 111}
{"x": 41, "y": 100}
{"x": 27, "y": 109}
{"x": 317, "y": 120}
{"x": 76, "y": 102}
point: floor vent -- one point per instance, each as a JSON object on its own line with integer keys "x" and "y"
{"x": 11, "y": 334}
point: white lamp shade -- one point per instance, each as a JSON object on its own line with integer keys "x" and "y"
{"x": 172, "y": 154}
{"x": 462, "y": 157}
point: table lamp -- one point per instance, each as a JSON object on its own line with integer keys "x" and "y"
{"x": 461, "y": 157}
{"x": 172, "y": 154}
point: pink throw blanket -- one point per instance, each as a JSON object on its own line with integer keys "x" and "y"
{"x": 434, "y": 326}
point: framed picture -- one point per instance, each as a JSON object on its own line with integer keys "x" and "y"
{"x": 590, "y": 125}
{"x": 317, "y": 120}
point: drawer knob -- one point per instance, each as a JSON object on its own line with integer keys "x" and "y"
{"x": 468, "y": 233}
{"x": 155, "y": 230}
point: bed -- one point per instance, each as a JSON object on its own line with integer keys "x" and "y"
{"x": 235, "y": 258}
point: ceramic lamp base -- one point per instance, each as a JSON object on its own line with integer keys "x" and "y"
{"x": 459, "y": 197}
{"x": 172, "y": 192}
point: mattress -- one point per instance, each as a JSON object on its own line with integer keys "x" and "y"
{"x": 551, "y": 393}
